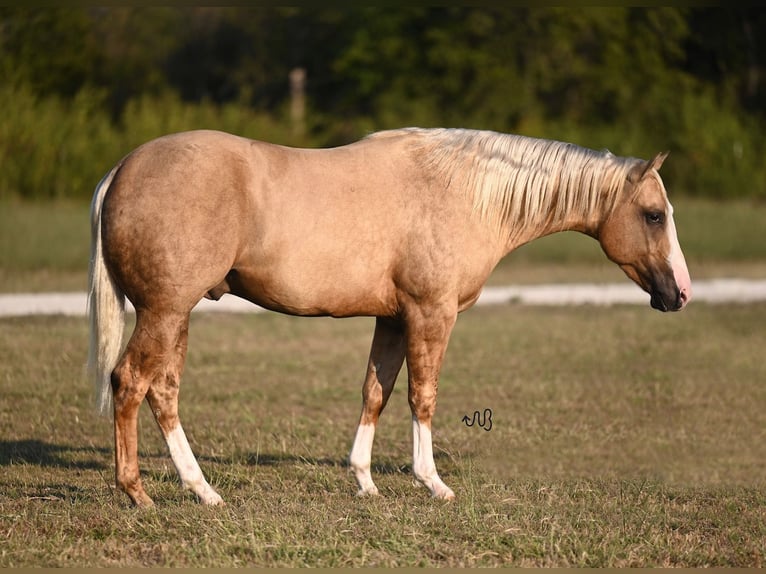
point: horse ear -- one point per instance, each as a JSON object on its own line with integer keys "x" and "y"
{"x": 639, "y": 171}
{"x": 657, "y": 161}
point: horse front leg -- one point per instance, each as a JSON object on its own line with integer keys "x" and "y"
{"x": 428, "y": 332}
{"x": 385, "y": 362}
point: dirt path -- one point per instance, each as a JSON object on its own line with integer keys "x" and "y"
{"x": 710, "y": 291}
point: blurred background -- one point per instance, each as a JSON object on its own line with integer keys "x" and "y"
{"x": 82, "y": 86}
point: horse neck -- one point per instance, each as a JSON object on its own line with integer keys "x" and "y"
{"x": 519, "y": 233}
{"x": 520, "y": 227}
{"x": 526, "y": 188}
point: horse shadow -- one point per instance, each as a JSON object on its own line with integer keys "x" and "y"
{"x": 282, "y": 459}
{"x": 384, "y": 467}
{"x": 45, "y": 454}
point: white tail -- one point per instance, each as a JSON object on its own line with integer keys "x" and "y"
{"x": 106, "y": 307}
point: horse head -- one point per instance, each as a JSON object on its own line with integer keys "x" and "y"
{"x": 640, "y": 236}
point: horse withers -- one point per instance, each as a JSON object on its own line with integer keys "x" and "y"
{"x": 404, "y": 225}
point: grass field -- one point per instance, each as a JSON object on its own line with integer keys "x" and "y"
{"x": 620, "y": 437}
{"x": 45, "y": 247}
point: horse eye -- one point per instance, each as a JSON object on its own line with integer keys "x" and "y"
{"x": 655, "y": 217}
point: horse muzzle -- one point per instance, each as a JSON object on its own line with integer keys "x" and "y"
{"x": 669, "y": 301}
{"x": 666, "y": 292}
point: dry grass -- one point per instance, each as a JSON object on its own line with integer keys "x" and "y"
{"x": 621, "y": 437}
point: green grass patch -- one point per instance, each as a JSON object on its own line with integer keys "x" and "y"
{"x": 45, "y": 247}
{"x": 621, "y": 437}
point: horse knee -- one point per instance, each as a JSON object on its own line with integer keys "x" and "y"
{"x": 372, "y": 399}
{"x": 423, "y": 405}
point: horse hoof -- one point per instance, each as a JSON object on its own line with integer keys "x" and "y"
{"x": 444, "y": 494}
{"x": 142, "y": 500}
{"x": 213, "y": 499}
{"x": 368, "y": 491}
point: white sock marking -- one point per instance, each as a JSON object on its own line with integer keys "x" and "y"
{"x": 361, "y": 457}
{"x": 423, "y": 466}
{"x": 188, "y": 468}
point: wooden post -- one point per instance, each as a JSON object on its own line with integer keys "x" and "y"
{"x": 298, "y": 100}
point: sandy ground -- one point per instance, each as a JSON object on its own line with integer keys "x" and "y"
{"x": 710, "y": 291}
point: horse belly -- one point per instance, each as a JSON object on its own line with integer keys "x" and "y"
{"x": 323, "y": 288}
{"x": 318, "y": 247}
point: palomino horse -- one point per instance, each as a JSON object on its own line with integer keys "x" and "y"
{"x": 403, "y": 225}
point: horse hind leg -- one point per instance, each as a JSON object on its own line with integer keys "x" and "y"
{"x": 131, "y": 379}
{"x": 162, "y": 397}
{"x": 386, "y": 359}
{"x": 151, "y": 368}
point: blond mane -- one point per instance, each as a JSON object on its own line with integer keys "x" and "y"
{"x": 520, "y": 180}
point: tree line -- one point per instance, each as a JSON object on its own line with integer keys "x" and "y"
{"x": 634, "y": 80}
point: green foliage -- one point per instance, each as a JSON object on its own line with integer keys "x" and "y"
{"x": 723, "y": 150}
{"x": 51, "y": 50}
{"x": 51, "y": 147}
{"x": 83, "y": 86}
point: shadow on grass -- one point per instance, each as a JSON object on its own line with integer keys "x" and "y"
{"x": 33, "y": 451}
{"x": 274, "y": 460}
